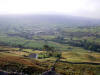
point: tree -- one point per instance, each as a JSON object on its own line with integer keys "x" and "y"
{"x": 46, "y": 47}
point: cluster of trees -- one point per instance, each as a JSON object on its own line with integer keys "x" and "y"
{"x": 48, "y": 48}
{"x": 88, "y": 45}
{"x": 51, "y": 51}
{"x": 93, "y": 46}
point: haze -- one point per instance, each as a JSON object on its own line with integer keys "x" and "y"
{"x": 83, "y": 8}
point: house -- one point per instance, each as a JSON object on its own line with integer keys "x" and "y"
{"x": 33, "y": 55}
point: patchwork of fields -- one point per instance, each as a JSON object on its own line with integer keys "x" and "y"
{"x": 76, "y": 44}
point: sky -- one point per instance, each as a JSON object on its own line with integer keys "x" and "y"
{"x": 83, "y": 8}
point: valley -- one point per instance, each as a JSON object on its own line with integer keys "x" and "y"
{"x": 32, "y": 44}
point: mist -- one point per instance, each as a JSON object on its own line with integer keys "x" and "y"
{"x": 82, "y": 8}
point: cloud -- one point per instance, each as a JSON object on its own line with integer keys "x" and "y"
{"x": 85, "y": 8}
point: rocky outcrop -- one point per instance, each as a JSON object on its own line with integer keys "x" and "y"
{"x": 50, "y": 72}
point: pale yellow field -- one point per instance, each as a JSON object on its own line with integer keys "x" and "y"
{"x": 78, "y": 55}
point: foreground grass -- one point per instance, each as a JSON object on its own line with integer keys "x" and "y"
{"x": 12, "y": 59}
{"x": 32, "y": 67}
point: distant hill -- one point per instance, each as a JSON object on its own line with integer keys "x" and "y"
{"x": 46, "y": 20}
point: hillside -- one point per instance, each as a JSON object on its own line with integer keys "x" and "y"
{"x": 13, "y": 60}
{"x": 31, "y": 44}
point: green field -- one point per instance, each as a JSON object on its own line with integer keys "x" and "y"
{"x": 60, "y": 40}
{"x": 75, "y": 44}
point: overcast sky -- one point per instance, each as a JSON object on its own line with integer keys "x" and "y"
{"x": 84, "y": 8}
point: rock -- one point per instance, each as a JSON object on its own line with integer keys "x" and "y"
{"x": 50, "y": 72}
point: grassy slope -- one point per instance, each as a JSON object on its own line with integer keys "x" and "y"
{"x": 14, "y": 57}
{"x": 75, "y": 54}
